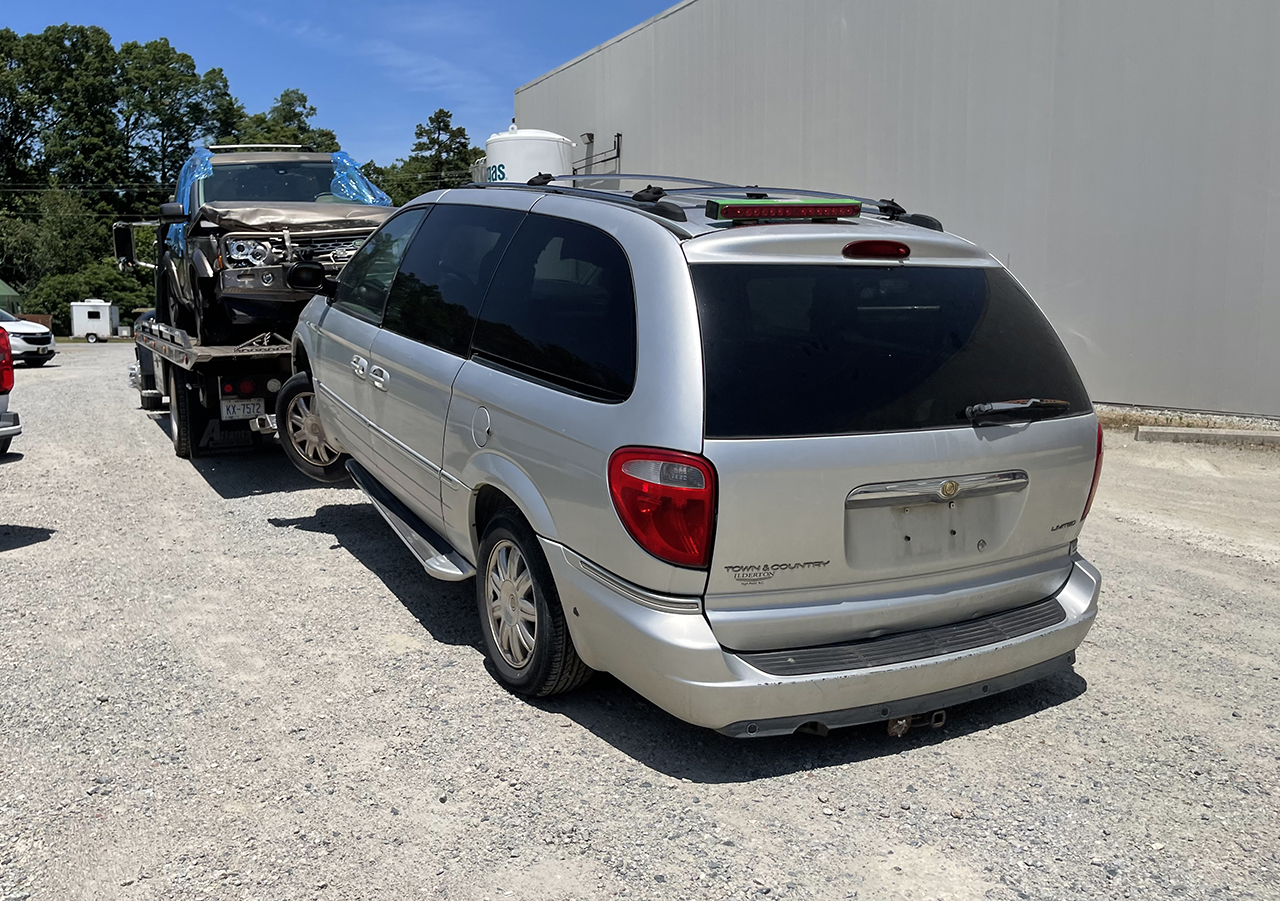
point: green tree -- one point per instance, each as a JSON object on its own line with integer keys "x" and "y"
{"x": 223, "y": 113}
{"x": 287, "y": 122}
{"x": 64, "y": 234}
{"x": 441, "y": 158}
{"x": 73, "y": 71}
{"x": 445, "y": 147}
{"x": 21, "y": 118}
{"x": 162, "y": 107}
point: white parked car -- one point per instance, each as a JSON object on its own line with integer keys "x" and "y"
{"x": 32, "y": 343}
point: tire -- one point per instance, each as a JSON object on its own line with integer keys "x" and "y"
{"x": 515, "y": 590}
{"x": 302, "y": 433}
{"x": 37, "y": 362}
{"x": 179, "y": 415}
{"x": 91, "y": 338}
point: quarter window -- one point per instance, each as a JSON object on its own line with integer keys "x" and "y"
{"x": 437, "y": 293}
{"x": 364, "y": 282}
{"x": 561, "y": 310}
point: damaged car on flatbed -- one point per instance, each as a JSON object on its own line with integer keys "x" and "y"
{"x": 239, "y": 215}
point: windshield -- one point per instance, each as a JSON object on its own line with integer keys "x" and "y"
{"x": 6, "y": 316}
{"x": 796, "y": 350}
{"x": 282, "y": 182}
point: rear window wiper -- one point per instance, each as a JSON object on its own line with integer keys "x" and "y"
{"x": 1000, "y": 411}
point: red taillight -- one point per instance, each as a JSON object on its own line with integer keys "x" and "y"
{"x": 6, "y": 363}
{"x": 1097, "y": 473}
{"x": 667, "y": 501}
{"x": 228, "y": 389}
{"x": 876, "y": 250}
{"x": 246, "y": 387}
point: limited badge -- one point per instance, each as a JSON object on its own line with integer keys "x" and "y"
{"x": 949, "y": 488}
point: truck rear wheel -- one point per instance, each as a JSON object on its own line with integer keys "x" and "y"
{"x": 302, "y": 433}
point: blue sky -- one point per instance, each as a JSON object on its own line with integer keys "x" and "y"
{"x": 373, "y": 70}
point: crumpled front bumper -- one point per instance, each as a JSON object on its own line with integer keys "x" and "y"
{"x": 674, "y": 660}
{"x": 259, "y": 283}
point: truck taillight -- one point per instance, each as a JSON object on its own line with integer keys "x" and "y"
{"x": 667, "y": 502}
{"x": 1097, "y": 473}
{"x": 6, "y": 363}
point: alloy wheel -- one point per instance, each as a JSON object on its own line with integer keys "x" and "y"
{"x": 306, "y": 434}
{"x": 513, "y": 612}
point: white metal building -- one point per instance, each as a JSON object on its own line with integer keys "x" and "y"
{"x": 1121, "y": 156}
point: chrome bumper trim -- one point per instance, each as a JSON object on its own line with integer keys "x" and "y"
{"x": 667, "y": 603}
{"x": 935, "y": 491}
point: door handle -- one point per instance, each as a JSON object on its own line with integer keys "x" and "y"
{"x": 359, "y": 365}
{"x": 379, "y": 377}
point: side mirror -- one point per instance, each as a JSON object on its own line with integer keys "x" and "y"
{"x": 172, "y": 213}
{"x": 310, "y": 276}
{"x": 122, "y": 238}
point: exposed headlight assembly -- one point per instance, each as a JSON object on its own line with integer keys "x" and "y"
{"x": 255, "y": 253}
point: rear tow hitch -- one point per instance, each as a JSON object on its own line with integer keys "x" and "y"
{"x": 900, "y": 726}
{"x": 264, "y": 423}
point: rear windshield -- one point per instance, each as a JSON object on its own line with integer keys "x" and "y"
{"x": 804, "y": 350}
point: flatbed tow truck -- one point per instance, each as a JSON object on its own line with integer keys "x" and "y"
{"x": 221, "y": 398}
{"x": 241, "y": 214}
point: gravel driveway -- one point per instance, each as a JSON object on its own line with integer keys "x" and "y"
{"x": 219, "y": 680}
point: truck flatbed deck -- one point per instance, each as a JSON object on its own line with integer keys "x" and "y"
{"x": 176, "y": 346}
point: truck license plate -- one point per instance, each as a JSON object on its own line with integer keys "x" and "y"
{"x": 242, "y": 409}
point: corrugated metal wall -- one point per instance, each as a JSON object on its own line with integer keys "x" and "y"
{"x": 1121, "y": 156}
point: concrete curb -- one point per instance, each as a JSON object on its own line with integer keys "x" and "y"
{"x": 1207, "y": 436}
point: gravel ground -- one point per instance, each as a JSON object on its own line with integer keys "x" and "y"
{"x": 219, "y": 680}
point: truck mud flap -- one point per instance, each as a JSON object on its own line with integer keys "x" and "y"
{"x": 219, "y": 436}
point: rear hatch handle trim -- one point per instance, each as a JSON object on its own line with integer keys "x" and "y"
{"x": 935, "y": 491}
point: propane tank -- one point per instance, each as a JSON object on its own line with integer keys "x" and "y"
{"x": 518, "y": 154}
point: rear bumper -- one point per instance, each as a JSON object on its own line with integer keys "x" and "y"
{"x": 10, "y": 425}
{"x": 674, "y": 660}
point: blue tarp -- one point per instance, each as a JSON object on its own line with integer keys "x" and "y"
{"x": 193, "y": 170}
{"x": 349, "y": 182}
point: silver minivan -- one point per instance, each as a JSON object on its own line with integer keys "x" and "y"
{"x": 776, "y": 460}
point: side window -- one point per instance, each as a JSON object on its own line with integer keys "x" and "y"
{"x": 364, "y": 282}
{"x": 445, "y": 272}
{"x": 562, "y": 310}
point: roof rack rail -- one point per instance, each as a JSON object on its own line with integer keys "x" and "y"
{"x": 667, "y": 207}
{"x": 218, "y": 147}
{"x": 661, "y": 208}
{"x": 615, "y": 176}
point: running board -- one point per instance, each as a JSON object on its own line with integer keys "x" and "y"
{"x": 435, "y": 554}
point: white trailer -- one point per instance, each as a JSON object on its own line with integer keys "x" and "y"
{"x": 94, "y": 320}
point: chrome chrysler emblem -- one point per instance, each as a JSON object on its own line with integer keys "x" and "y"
{"x": 949, "y": 488}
